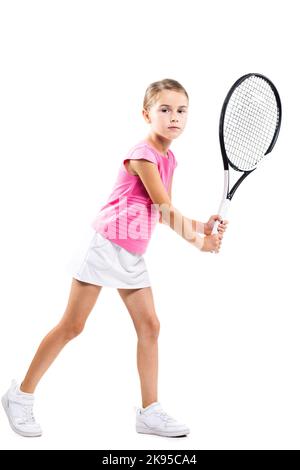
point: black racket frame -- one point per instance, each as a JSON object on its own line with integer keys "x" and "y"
{"x": 226, "y": 160}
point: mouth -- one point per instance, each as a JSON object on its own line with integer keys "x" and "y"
{"x": 173, "y": 127}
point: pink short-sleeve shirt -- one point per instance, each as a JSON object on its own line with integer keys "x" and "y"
{"x": 129, "y": 216}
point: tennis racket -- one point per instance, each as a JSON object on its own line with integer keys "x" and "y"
{"x": 248, "y": 129}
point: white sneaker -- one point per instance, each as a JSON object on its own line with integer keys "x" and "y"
{"x": 18, "y": 407}
{"x": 153, "y": 420}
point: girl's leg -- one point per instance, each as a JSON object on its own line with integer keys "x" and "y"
{"x": 140, "y": 305}
{"x": 82, "y": 299}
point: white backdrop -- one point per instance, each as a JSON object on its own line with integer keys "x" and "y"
{"x": 73, "y": 77}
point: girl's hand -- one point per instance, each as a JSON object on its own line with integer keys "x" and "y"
{"x": 212, "y": 243}
{"x": 208, "y": 226}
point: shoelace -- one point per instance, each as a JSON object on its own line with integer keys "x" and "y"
{"x": 165, "y": 416}
{"x": 27, "y": 415}
{"x": 160, "y": 413}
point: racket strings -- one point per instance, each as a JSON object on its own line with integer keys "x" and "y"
{"x": 249, "y": 125}
{"x": 250, "y": 122}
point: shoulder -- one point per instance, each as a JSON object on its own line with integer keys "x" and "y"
{"x": 142, "y": 151}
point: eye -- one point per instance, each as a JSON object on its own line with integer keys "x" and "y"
{"x": 180, "y": 110}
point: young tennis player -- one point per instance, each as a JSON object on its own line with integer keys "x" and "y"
{"x": 114, "y": 258}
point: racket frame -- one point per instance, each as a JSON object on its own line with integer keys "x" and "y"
{"x": 226, "y": 161}
{"x": 228, "y": 194}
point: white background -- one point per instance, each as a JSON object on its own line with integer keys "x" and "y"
{"x": 73, "y": 77}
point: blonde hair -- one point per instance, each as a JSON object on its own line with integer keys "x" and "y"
{"x": 153, "y": 90}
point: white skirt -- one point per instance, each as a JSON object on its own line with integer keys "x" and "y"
{"x": 107, "y": 264}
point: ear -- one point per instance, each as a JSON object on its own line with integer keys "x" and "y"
{"x": 146, "y": 116}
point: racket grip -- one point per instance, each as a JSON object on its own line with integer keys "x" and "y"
{"x": 222, "y": 212}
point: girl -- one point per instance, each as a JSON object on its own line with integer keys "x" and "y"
{"x": 114, "y": 258}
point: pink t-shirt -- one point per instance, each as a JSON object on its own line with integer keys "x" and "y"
{"x": 129, "y": 216}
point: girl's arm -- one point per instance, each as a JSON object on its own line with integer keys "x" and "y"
{"x": 197, "y": 226}
{"x": 206, "y": 227}
{"x": 171, "y": 216}
{"x": 170, "y": 196}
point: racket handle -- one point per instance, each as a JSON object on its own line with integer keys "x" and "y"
{"x": 222, "y": 212}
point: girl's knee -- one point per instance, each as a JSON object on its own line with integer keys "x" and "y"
{"x": 70, "y": 330}
{"x": 149, "y": 329}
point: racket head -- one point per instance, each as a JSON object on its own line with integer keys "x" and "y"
{"x": 249, "y": 122}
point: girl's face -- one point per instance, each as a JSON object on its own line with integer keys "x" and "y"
{"x": 168, "y": 115}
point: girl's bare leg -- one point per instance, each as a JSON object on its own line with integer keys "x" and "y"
{"x": 140, "y": 305}
{"x": 81, "y": 301}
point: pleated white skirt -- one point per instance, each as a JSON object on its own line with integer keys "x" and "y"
{"x": 107, "y": 264}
